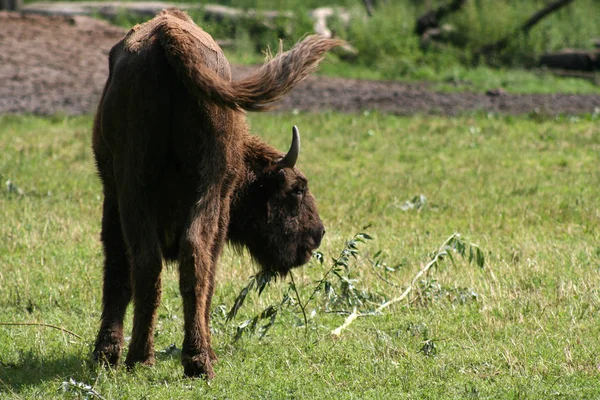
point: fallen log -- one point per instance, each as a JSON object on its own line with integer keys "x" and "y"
{"x": 574, "y": 60}
{"x": 320, "y": 16}
{"x": 10, "y": 5}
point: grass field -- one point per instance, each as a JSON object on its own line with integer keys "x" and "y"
{"x": 526, "y": 325}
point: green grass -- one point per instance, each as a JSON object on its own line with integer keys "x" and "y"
{"x": 524, "y": 326}
{"x": 513, "y": 80}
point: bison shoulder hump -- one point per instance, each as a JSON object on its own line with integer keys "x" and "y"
{"x": 180, "y": 30}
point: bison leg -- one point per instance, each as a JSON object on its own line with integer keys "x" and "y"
{"x": 116, "y": 293}
{"x": 216, "y": 253}
{"x": 197, "y": 273}
{"x": 139, "y": 228}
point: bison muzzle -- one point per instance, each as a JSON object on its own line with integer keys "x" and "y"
{"x": 181, "y": 175}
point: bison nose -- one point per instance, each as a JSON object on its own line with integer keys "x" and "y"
{"x": 318, "y": 235}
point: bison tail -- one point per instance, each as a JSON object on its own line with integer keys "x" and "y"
{"x": 182, "y": 52}
{"x": 278, "y": 76}
{"x": 256, "y": 92}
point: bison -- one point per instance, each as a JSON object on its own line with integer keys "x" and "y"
{"x": 181, "y": 175}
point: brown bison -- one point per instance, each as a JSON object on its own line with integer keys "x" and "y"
{"x": 181, "y": 175}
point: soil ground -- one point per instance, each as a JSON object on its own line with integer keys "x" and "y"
{"x": 57, "y": 64}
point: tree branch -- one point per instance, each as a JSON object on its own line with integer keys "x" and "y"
{"x": 441, "y": 252}
{"x": 40, "y": 324}
{"x": 525, "y": 28}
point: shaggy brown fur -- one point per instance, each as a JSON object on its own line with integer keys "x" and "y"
{"x": 181, "y": 174}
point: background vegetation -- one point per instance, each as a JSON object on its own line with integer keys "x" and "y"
{"x": 523, "y": 326}
{"x": 389, "y": 49}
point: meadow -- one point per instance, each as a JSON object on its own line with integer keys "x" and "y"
{"x": 524, "y": 324}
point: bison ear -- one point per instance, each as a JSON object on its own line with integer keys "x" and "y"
{"x": 289, "y": 160}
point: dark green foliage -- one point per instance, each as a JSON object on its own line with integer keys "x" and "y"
{"x": 337, "y": 286}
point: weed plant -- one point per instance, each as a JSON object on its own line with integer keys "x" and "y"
{"x": 339, "y": 288}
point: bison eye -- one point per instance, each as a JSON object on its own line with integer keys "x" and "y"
{"x": 299, "y": 192}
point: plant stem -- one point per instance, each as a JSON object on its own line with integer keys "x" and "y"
{"x": 302, "y": 307}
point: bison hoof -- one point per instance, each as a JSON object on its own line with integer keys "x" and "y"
{"x": 108, "y": 349}
{"x": 106, "y": 356}
{"x": 199, "y": 365}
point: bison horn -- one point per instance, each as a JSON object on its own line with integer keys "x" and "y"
{"x": 289, "y": 160}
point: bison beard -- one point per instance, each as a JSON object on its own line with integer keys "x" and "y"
{"x": 181, "y": 175}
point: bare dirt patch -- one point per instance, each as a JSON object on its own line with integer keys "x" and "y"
{"x": 56, "y": 64}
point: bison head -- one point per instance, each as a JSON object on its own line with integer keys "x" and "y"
{"x": 274, "y": 214}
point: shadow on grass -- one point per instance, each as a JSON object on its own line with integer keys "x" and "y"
{"x": 169, "y": 353}
{"x": 32, "y": 370}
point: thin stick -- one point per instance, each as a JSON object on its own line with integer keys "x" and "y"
{"x": 318, "y": 286}
{"x": 16, "y": 396}
{"x": 40, "y": 324}
{"x": 384, "y": 279}
{"x": 408, "y": 289}
{"x": 338, "y": 331}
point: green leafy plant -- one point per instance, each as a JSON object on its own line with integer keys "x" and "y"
{"x": 340, "y": 291}
{"x": 337, "y": 286}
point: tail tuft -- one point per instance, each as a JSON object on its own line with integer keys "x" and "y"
{"x": 187, "y": 47}
{"x": 278, "y": 76}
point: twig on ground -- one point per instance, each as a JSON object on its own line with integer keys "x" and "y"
{"x": 338, "y": 331}
{"x": 15, "y": 396}
{"x": 41, "y": 324}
